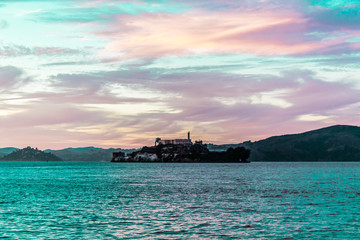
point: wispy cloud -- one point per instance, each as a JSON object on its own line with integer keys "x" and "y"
{"x": 198, "y": 32}
{"x": 24, "y": 13}
{"x": 18, "y": 50}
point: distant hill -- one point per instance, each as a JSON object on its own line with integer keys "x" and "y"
{"x": 335, "y": 143}
{"x": 223, "y": 147}
{"x": 80, "y": 149}
{"x": 30, "y": 154}
{"x": 5, "y": 151}
{"x": 87, "y": 153}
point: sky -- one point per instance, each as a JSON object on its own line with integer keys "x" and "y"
{"x": 119, "y": 73}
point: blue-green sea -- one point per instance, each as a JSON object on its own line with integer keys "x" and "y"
{"x": 77, "y": 200}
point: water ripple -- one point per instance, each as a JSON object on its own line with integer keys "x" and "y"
{"x": 177, "y": 201}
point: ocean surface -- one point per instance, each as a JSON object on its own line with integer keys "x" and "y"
{"x": 74, "y": 200}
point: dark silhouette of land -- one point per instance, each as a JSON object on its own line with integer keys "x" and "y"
{"x": 88, "y": 154}
{"x": 197, "y": 152}
{"x": 30, "y": 154}
{"x": 338, "y": 143}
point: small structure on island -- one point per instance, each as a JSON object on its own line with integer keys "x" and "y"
{"x": 185, "y": 142}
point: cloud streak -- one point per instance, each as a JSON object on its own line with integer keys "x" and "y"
{"x": 198, "y": 32}
{"x": 17, "y": 50}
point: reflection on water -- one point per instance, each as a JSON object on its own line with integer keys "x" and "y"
{"x": 179, "y": 200}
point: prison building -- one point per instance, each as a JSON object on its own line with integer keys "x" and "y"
{"x": 185, "y": 142}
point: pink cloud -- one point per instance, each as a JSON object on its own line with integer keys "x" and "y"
{"x": 41, "y": 113}
{"x": 254, "y": 31}
{"x": 263, "y": 33}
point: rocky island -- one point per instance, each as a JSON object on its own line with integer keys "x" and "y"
{"x": 30, "y": 154}
{"x": 183, "y": 150}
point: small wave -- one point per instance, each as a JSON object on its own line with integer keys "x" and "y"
{"x": 202, "y": 225}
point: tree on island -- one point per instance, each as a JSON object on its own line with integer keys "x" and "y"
{"x": 240, "y": 153}
{"x": 30, "y": 154}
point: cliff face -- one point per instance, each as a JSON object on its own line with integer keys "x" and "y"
{"x": 181, "y": 153}
{"x": 335, "y": 143}
{"x": 30, "y": 154}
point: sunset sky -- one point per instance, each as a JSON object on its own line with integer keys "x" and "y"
{"x": 113, "y": 73}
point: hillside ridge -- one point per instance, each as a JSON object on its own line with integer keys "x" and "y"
{"x": 333, "y": 143}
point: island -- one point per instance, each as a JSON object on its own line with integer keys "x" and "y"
{"x": 183, "y": 150}
{"x": 30, "y": 154}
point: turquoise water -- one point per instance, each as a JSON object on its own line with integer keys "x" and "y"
{"x": 179, "y": 201}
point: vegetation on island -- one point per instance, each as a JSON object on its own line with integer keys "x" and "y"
{"x": 30, "y": 154}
